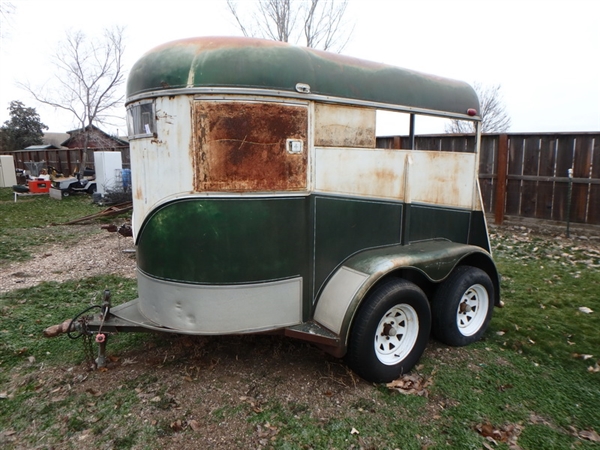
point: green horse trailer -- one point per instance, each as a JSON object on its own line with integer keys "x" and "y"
{"x": 262, "y": 203}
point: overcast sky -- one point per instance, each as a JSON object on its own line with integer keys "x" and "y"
{"x": 545, "y": 54}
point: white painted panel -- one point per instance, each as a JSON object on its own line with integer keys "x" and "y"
{"x": 441, "y": 178}
{"x": 413, "y": 176}
{"x": 375, "y": 173}
{"x": 7, "y": 171}
{"x": 344, "y": 126}
{"x": 221, "y": 309}
{"x": 161, "y": 167}
{"x": 337, "y": 296}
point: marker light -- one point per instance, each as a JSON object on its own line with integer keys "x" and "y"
{"x": 472, "y": 112}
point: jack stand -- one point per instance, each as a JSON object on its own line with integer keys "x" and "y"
{"x": 101, "y": 338}
{"x": 101, "y": 359}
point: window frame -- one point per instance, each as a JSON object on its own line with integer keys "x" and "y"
{"x": 137, "y": 128}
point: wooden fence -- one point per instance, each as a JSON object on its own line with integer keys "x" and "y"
{"x": 65, "y": 160}
{"x": 527, "y": 175}
{"x": 521, "y": 174}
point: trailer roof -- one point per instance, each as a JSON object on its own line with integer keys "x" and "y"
{"x": 248, "y": 63}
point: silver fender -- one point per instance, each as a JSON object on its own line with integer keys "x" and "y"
{"x": 349, "y": 285}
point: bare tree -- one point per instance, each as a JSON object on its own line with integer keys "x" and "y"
{"x": 89, "y": 73}
{"x": 7, "y": 10}
{"x": 314, "y": 23}
{"x": 494, "y": 118}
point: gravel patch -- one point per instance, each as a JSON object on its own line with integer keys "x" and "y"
{"x": 96, "y": 254}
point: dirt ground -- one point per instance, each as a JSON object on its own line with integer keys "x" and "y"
{"x": 111, "y": 253}
{"x": 187, "y": 385}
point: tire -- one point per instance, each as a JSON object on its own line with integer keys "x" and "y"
{"x": 65, "y": 193}
{"x": 92, "y": 189}
{"x": 389, "y": 332}
{"x": 462, "y": 306}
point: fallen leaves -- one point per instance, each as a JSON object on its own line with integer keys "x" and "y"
{"x": 254, "y": 404}
{"x": 412, "y": 384}
{"x": 588, "y": 435}
{"x": 266, "y": 433}
{"x": 581, "y": 356}
{"x": 194, "y": 425}
{"x": 508, "y": 434}
{"x": 180, "y": 425}
{"x": 594, "y": 369}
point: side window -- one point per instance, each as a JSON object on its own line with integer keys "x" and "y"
{"x": 141, "y": 120}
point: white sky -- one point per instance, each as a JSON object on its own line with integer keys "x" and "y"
{"x": 545, "y": 54}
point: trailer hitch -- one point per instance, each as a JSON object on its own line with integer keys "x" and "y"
{"x": 76, "y": 328}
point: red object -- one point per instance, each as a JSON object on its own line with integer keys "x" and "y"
{"x": 39, "y": 186}
{"x": 472, "y": 112}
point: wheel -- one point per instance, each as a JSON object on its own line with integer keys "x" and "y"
{"x": 389, "y": 332}
{"x": 91, "y": 189}
{"x": 65, "y": 193}
{"x": 462, "y": 306}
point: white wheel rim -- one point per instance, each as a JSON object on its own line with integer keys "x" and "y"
{"x": 396, "y": 334}
{"x": 472, "y": 310}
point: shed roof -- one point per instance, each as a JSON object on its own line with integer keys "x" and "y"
{"x": 41, "y": 147}
{"x": 234, "y": 62}
{"x": 100, "y": 139}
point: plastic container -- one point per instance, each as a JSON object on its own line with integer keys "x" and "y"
{"x": 126, "y": 175}
{"x": 39, "y": 186}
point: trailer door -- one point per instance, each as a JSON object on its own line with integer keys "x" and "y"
{"x": 250, "y": 146}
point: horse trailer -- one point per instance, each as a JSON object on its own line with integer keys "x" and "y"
{"x": 262, "y": 203}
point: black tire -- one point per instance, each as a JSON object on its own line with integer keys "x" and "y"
{"x": 462, "y": 306}
{"x": 390, "y": 331}
{"x": 92, "y": 189}
{"x": 65, "y": 193}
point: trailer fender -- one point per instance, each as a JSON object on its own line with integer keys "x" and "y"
{"x": 349, "y": 285}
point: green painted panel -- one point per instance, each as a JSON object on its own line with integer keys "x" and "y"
{"x": 221, "y": 241}
{"x": 345, "y": 226}
{"x": 478, "y": 232}
{"x": 258, "y": 63}
{"x": 430, "y": 222}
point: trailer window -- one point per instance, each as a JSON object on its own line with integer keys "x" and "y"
{"x": 431, "y": 133}
{"x": 141, "y": 120}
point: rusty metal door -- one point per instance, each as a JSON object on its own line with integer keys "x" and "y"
{"x": 243, "y": 146}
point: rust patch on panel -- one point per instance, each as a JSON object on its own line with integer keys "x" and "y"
{"x": 242, "y": 146}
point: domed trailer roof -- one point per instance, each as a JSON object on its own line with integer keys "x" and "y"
{"x": 222, "y": 64}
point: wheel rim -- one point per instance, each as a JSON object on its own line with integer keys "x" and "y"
{"x": 472, "y": 310}
{"x": 396, "y": 334}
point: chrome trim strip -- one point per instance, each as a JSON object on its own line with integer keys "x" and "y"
{"x": 296, "y": 95}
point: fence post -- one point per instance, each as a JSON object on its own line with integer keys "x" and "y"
{"x": 501, "y": 178}
{"x": 569, "y": 199}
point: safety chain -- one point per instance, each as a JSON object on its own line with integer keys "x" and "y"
{"x": 75, "y": 332}
{"x": 88, "y": 348}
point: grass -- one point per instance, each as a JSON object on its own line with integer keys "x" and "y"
{"x": 26, "y": 225}
{"x": 24, "y": 311}
{"x": 533, "y": 378}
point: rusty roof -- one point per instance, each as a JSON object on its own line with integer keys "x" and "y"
{"x": 235, "y": 62}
